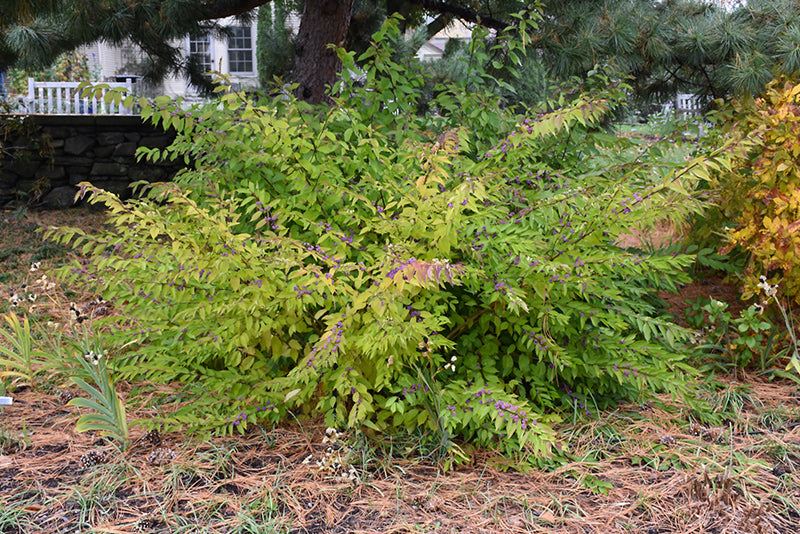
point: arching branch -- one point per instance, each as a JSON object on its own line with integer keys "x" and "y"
{"x": 463, "y": 13}
{"x": 219, "y": 9}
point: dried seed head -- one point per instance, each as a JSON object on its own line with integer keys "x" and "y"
{"x": 153, "y": 437}
{"x": 697, "y": 430}
{"x": 65, "y": 396}
{"x": 93, "y": 458}
{"x": 161, "y": 456}
{"x": 147, "y": 522}
{"x": 419, "y": 500}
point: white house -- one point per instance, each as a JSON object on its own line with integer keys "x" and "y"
{"x": 234, "y": 56}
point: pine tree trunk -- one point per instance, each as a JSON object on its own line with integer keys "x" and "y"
{"x": 323, "y": 22}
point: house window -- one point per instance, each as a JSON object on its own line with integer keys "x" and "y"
{"x": 240, "y": 49}
{"x": 200, "y": 51}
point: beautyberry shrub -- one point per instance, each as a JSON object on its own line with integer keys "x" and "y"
{"x": 456, "y": 273}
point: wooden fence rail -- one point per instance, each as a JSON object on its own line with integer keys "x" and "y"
{"x": 64, "y": 98}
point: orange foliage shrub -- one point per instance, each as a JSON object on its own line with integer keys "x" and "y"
{"x": 761, "y": 191}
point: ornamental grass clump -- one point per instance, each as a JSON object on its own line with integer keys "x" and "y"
{"x": 452, "y": 275}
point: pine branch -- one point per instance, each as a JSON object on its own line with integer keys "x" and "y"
{"x": 220, "y": 9}
{"x": 463, "y": 13}
{"x": 438, "y": 24}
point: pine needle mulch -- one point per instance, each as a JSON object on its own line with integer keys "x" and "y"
{"x": 641, "y": 468}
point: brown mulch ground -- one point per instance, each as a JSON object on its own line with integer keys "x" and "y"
{"x": 711, "y": 286}
{"x": 641, "y": 468}
{"x": 659, "y": 476}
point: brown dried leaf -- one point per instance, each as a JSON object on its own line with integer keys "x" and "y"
{"x": 548, "y": 516}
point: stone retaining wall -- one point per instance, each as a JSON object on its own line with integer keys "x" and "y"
{"x": 43, "y": 162}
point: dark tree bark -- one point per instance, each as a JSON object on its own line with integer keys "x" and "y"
{"x": 324, "y": 22}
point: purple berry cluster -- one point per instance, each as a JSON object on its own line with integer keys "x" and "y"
{"x": 329, "y": 344}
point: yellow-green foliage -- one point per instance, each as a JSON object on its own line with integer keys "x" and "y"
{"x": 761, "y": 193}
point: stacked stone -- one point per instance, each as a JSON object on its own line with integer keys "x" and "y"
{"x": 97, "y": 149}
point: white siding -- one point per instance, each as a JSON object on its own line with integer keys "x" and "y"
{"x": 109, "y": 61}
{"x": 104, "y": 59}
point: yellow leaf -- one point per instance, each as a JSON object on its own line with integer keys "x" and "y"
{"x": 360, "y": 300}
{"x": 277, "y": 347}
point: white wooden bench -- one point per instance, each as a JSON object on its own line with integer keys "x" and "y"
{"x": 64, "y": 98}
